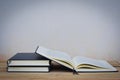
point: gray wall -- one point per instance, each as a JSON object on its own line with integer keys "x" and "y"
{"x": 88, "y": 28}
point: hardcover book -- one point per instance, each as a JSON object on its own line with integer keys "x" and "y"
{"x": 78, "y": 63}
{"x": 28, "y": 59}
{"x": 28, "y": 69}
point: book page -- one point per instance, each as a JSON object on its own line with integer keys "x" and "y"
{"x": 58, "y": 56}
{"x": 88, "y": 62}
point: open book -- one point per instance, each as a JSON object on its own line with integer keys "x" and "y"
{"x": 78, "y": 63}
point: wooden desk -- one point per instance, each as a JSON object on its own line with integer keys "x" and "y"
{"x": 58, "y": 75}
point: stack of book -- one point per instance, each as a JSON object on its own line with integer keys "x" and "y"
{"x": 28, "y": 62}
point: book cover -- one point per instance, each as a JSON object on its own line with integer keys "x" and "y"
{"x": 28, "y": 59}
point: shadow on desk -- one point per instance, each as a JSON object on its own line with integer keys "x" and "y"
{"x": 55, "y": 67}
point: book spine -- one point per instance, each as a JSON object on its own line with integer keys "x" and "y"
{"x": 8, "y": 61}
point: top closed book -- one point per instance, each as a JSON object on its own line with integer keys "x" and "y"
{"x": 28, "y": 59}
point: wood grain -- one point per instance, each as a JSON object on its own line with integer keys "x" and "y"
{"x": 58, "y": 74}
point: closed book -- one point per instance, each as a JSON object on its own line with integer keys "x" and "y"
{"x": 28, "y": 69}
{"x": 28, "y": 59}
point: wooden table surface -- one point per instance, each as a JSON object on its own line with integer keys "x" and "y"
{"x": 58, "y": 74}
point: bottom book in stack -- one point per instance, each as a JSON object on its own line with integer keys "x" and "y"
{"x": 28, "y": 69}
{"x": 28, "y": 62}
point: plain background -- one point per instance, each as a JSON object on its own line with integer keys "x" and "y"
{"x": 88, "y": 28}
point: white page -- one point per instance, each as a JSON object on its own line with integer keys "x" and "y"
{"x": 54, "y": 55}
{"x": 84, "y": 60}
{"x": 101, "y": 63}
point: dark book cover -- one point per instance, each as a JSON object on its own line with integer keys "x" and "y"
{"x": 28, "y": 56}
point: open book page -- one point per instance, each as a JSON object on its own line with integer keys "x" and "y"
{"x": 88, "y": 64}
{"x": 58, "y": 56}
